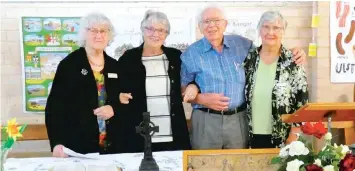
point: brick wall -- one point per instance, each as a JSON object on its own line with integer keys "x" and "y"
{"x": 298, "y": 34}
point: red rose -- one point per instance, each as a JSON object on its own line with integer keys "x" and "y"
{"x": 348, "y": 163}
{"x": 320, "y": 130}
{"x": 313, "y": 167}
{"x": 307, "y": 128}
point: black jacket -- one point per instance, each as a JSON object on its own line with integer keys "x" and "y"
{"x": 132, "y": 78}
{"x": 69, "y": 116}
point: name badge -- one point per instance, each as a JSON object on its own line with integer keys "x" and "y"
{"x": 112, "y": 75}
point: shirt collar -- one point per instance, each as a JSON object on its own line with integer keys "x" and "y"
{"x": 208, "y": 46}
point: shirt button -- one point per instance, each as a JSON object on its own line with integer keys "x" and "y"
{"x": 172, "y": 81}
{"x": 172, "y": 67}
{"x": 107, "y": 122}
{"x": 173, "y": 114}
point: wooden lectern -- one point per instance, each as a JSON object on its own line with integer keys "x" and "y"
{"x": 343, "y": 115}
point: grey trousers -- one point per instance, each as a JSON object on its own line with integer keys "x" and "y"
{"x": 214, "y": 131}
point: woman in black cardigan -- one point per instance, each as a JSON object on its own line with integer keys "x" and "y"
{"x": 149, "y": 77}
{"x": 81, "y": 110}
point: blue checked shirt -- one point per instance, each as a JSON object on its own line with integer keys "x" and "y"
{"x": 216, "y": 72}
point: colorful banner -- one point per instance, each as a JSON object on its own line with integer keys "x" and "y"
{"x": 342, "y": 28}
{"x": 45, "y": 42}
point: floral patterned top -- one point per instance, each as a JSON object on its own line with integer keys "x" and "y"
{"x": 290, "y": 91}
{"x": 100, "y": 82}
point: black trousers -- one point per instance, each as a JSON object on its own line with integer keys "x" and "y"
{"x": 261, "y": 141}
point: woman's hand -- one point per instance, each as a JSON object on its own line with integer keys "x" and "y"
{"x": 190, "y": 93}
{"x": 58, "y": 151}
{"x": 124, "y": 98}
{"x": 293, "y": 135}
{"x": 104, "y": 112}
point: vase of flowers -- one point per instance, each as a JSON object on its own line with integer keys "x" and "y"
{"x": 9, "y": 135}
{"x": 300, "y": 155}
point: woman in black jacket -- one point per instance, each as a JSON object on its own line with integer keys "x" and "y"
{"x": 81, "y": 111}
{"x": 149, "y": 77}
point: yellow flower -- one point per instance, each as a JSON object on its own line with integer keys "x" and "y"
{"x": 12, "y": 129}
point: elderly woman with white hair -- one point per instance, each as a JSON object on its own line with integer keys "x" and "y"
{"x": 150, "y": 81}
{"x": 81, "y": 111}
{"x": 275, "y": 85}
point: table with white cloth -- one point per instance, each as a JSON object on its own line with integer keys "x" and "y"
{"x": 167, "y": 161}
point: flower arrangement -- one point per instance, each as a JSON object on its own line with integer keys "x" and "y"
{"x": 9, "y": 135}
{"x": 300, "y": 155}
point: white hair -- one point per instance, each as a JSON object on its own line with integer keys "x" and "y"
{"x": 271, "y": 16}
{"x": 199, "y": 16}
{"x": 92, "y": 19}
{"x": 151, "y": 16}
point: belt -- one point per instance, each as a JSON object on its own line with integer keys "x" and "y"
{"x": 225, "y": 112}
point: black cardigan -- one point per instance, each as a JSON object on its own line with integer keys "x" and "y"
{"x": 132, "y": 78}
{"x": 69, "y": 115}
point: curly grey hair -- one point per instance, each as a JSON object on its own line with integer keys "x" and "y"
{"x": 151, "y": 16}
{"x": 92, "y": 19}
{"x": 271, "y": 16}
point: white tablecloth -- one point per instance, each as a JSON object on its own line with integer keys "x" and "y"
{"x": 167, "y": 161}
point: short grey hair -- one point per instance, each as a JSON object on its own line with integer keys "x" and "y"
{"x": 92, "y": 19}
{"x": 151, "y": 16}
{"x": 199, "y": 16}
{"x": 271, "y": 16}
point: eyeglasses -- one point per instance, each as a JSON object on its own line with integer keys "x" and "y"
{"x": 102, "y": 31}
{"x": 266, "y": 28}
{"x": 217, "y": 22}
{"x": 151, "y": 30}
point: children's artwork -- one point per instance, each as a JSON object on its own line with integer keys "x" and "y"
{"x": 49, "y": 62}
{"x": 32, "y": 24}
{"x": 36, "y": 90}
{"x": 46, "y": 41}
{"x": 52, "y": 39}
{"x": 71, "y": 25}
{"x": 52, "y": 24}
{"x": 34, "y": 40}
{"x": 37, "y": 103}
{"x": 32, "y": 73}
{"x": 342, "y": 29}
{"x": 70, "y": 39}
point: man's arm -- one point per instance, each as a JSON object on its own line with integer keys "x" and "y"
{"x": 299, "y": 56}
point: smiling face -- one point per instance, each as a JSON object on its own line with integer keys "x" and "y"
{"x": 271, "y": 33}
{"x": 97, "y": 36}
{"x": 154, "y": 34}
{"x": 213, "y": 24}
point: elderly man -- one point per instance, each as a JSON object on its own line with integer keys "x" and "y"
{"x": 215, "y": 63}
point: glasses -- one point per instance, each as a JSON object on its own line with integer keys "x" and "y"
{"x": 95, "y": 31}
{"x": 151, "y": 30}
{"x": 217, "y": 22}
{"x": 266, "y": 28}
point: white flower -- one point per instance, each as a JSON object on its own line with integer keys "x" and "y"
{"x": 294, "y": 165}
{"x": 345, "y": 149}
{"x": 328, "y": 168}
{"x": 284, "y": 151}
{"x": 318, "y": 162}
{"x": 298, "y": 148}
{"x": 328, "y": 136}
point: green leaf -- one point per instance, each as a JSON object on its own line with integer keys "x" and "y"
{"x": 9, "y": 143}
{"x": 276, "y": 160}
{"x": 22, "y": 128}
